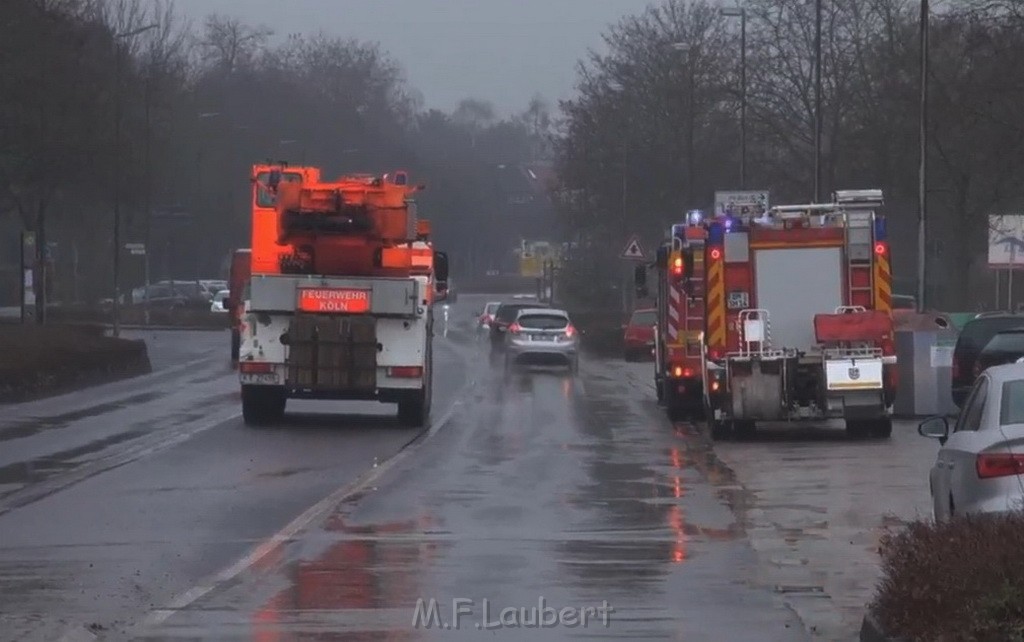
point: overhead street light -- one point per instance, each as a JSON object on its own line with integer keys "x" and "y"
{"x": 117, "y": 170}
{"x": 741, "y": 13}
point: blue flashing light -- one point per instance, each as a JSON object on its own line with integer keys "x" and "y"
{"x": 880, "y": 232}
{"x": 716, "y": 233}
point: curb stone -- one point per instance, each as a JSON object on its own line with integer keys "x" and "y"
{"x": 871, "y": 630}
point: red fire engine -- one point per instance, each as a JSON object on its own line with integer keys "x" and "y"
{"x": 679, "y": 267}
{"x": 799, "y": 322}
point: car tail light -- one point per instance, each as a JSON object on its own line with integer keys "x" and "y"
{"x": 991, "y": 465}
{"x": 406, "y": 372}
{"x": 570, "y": 332}
{"x": 515, "y": 328}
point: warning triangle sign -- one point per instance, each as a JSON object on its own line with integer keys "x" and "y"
{"x": 633, "y": 250}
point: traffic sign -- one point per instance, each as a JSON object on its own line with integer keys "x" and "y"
{"x": 633, "y": 250}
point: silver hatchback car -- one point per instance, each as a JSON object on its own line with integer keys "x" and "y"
{"x": 542, "y": 336}
{"x": 980, "y": 464}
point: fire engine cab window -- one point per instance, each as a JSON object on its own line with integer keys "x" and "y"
{"x": 542, "y": 322}
{"x": 263, "y": 196}
{"x": 643, "y": 318}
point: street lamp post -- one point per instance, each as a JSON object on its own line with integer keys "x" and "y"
{"x": 741, "y": 12}
{"x": 817, "y": 101}
{"x": 922, "y": 187}
{"x": 117, "y": 171}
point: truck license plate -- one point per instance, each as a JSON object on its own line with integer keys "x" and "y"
{"x": 738, "y": 300}
{"x": 260, "y": 378}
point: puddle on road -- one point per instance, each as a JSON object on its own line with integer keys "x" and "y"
{"x": 346, "y": 591}
{"x": 29, "y": 427}
{"x": 23, "y": 473}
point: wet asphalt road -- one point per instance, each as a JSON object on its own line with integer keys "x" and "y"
{"x": 538, "y": 487}
{"x": 146, "y": 510}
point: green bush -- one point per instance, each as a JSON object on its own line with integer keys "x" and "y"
{"x": 959, "y": 581}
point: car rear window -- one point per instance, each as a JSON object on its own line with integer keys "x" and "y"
{"x": 1006, "y": 342}
{"x": 543, "y": 321}
{"x": 978, "y": 332}
{"x": 1011, "y": 410}
{"x": 508, "y": 312}
{"x": 490, "y": 308}
{"x": 643, "y": 318}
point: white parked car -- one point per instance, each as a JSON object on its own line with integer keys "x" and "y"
{"x": 218, "y": 301}
{"x": 980, "y": 462}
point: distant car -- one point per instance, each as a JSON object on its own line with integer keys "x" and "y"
{"x": 218, "y": 302}
{"x": 503, "y": 318}
{"x": 487, "y": 315}
{"x": 979, "y": 465}
{"x": 974, "y": 336}
{"x": 542, "y": 336}
{"x": 638, "y": 334}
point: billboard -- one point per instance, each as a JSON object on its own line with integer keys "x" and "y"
{"x": 748, "y": 203}
{"x": 1006, "y": 241}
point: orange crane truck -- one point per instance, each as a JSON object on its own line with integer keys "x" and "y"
{"x": 798, "y": 317}
{"x": 340, "y": 298}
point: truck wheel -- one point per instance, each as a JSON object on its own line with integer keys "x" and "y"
{"x": 236, "y": 344}
{"x": 858, "y": 428}
{"x": 720, "y": 430}
{"x": 881, "y": 428}
{"x": 262, "y": 405}
{"x": 744, "y": 429}
{"x": 412, "y": 410}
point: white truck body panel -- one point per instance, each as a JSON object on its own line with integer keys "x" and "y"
{"x": 400, "y": 308}
{"x": 794, "y": 284}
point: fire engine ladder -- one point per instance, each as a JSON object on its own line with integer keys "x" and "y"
{"x": 693, "y": 326}
{"x": 859, "y": 241}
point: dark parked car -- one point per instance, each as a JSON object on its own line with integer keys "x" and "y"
{"x": 504, "y": 316}
{"x": 1005, "y": 347}
{"x": 974, "y": 336}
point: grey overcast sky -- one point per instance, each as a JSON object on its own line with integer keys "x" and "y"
{"x": 503, "y": 51}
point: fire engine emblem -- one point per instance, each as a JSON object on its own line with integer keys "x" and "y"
{"x": 854, "y": 373}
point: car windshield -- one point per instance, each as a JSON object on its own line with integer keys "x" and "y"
{"x": 1006, "y": 342}
{"x": 1011, "y": 410}
{"x": 542, "y": 321}
{"x": 646, "y": 318}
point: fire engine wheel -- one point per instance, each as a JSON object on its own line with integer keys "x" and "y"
{"x": 262, "y": 405}
{"x": 744, "y": 429}
{"x": 880, "y": 428}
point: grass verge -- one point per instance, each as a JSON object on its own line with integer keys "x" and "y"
{"x": 44, "y": 360}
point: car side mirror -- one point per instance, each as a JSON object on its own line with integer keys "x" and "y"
{"x": 934, "y": 428}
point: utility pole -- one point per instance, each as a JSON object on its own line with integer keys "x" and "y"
{"x": 922, "y": 182}
{"x": 817, "y": 101}
{"x": 117, "y": 171}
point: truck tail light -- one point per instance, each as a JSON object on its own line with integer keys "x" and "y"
{"x": 680, "y": 372}
{"x": 255, "y": 367}
{"x": 405, "y": 372}
{"x": 990, "y": 465}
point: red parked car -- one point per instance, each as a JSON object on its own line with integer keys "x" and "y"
{"x": 638, "y": 334}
